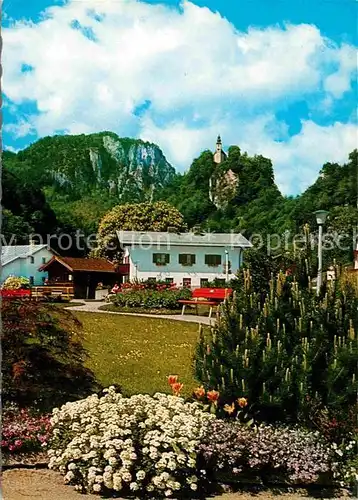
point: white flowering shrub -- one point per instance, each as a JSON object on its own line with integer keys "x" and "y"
{"x": 143, "y": 444}
{"x": 346, "y": 462}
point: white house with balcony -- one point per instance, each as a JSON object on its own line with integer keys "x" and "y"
{"x": 186, "y": 259}
{"x": 25, "y": 260}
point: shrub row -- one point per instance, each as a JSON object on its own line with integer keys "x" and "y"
{"x": 150, "y": 299}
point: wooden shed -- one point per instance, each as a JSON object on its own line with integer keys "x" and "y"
{"x": 83, "y": 274}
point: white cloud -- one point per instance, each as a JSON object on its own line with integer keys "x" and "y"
{"x": 12, "y": 149}
{"x": 21, "y": 129}
{"x": 297, "y": 160}
{"x": 200, "y": 74}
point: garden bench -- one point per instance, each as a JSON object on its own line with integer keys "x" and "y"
{"x": 53, "y": 291}
{"x": 210, "y": 297}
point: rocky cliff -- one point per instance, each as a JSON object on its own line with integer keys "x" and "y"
{"x": 78, "y": 165}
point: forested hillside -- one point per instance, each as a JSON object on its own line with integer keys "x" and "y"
{"x": 69, "y": 182}
{"x": 83, "y": 176}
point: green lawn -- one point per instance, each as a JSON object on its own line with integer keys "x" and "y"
{"x": 139, "y": 353}
{"x": 66, "y": 305}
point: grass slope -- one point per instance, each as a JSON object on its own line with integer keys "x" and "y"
{"x": 139, "y": 353}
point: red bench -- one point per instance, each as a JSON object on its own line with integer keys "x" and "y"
{"x": 15, "y": 294}
{"x": 210, "y": 297}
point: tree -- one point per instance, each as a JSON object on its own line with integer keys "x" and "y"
{"x": 158, "y": 216}
{"x": 26, "y": 207}
{"x": 44, "y": 362}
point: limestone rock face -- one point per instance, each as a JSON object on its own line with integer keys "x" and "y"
{"x": 129, "y": 169}
{"x": 222, "y": 188}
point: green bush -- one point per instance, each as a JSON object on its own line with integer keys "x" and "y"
{"x": 285, "y": 350}
{"x": 44, "y": 357}
{"x": 150, "y": 299}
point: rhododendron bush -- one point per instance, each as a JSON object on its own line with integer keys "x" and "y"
{"x": 142, "y": 444}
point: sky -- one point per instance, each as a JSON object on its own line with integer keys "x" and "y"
{"x": 276, "y": 77}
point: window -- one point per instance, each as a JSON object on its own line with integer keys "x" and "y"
{"x": 186, "y": 259}
{"x": 169, "y": 280}
{"x": 161, "y": 259}
{"x": 31, "y": 280}
{"x": 32, "y": 260}
{"x": 44, "y": 260}
{"x": 203, "y": 282}
{"x": 186, "y": 282}
{"x": 152, "y": 280}
{"x": 213, "y": 260}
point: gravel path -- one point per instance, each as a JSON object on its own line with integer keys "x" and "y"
{"x": 90, "y": 306}
{"x": 20, "y": 484}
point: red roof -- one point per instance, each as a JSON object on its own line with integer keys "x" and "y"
{"x": 82, "y": 264}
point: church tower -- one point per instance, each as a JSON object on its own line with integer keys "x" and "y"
{"x": 219, "y": 155}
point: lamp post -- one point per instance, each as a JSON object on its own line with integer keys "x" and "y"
{"x": 227, "y": 265}
{"x": 321, "y": 216}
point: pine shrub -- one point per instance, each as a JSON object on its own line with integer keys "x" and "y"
{"x": 284, "y": 349}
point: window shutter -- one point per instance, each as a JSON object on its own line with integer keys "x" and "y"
{"x": 212, "y": 260}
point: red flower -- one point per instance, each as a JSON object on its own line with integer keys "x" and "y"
{"x": 18, "y": 369}
{"x": 177, "y": 387}
{"x": 172, "y": 379}
{"x": 242, "y": 402}
{"x": 199, "y": 392}
{"x": 213, "y": 396}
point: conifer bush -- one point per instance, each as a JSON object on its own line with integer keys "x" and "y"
{"x": 284, "y": 350}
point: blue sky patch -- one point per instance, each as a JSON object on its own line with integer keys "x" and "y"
{"x": 277, "y": 79}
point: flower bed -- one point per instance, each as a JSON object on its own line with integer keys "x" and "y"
{"x": 294, "y": 455}
{"x": 16, "y": 293}
{"x": 164, "y": 446}
{"x": 15, "y": 283}
{"x": 24, "y": 431}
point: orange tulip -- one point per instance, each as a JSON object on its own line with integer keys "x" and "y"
{"x": 229, "y": 408}
{"x": 199, "y": 392}
{"x": 242, "y": 402}
{"x": 172, "y": 379}
{"x": 177, "y": 387}
{"x": 212, "y": 396}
